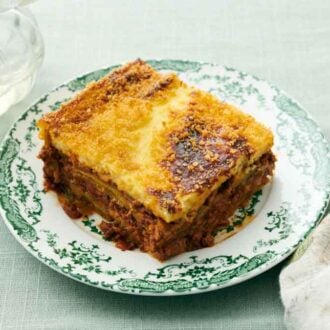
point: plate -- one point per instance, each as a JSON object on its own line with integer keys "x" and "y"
{"x": 283, "y": 213}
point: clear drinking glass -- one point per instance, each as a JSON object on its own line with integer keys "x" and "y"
{"x": 21, "y": 52}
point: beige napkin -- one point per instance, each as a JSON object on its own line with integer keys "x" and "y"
{"x": 305, "y": 283}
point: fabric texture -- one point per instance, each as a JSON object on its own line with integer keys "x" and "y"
{"x": 305, "y": 283}
{"x": 284, "y": 42}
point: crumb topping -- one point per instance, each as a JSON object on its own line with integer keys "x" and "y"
{"x": 166, "y": 144}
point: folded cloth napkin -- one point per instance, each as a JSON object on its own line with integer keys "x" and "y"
{"x": 305, "y": 283}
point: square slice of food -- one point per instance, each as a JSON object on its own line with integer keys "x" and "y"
{"x": 164, "y": 163}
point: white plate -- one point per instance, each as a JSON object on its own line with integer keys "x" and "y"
{"x": 284, "y": 212}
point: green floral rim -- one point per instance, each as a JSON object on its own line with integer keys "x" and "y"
{"x": 285, "y": 214}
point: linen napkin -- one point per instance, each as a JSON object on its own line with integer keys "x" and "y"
{"x": 305, "y": 283}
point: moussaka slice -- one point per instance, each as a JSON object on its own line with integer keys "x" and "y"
{"x": 164, "y": 163}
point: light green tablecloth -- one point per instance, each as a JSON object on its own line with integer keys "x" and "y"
{"x": 285, "y": 42}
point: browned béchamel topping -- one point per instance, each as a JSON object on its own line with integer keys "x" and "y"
{"x": 166, "y": 144}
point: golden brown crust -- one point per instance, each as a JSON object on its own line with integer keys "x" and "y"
{"x": 166, "y": 144}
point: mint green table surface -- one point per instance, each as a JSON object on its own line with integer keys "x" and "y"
{"x": 285, "y": 42}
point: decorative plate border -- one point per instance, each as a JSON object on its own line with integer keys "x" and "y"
{"x": 196, "y": 274}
